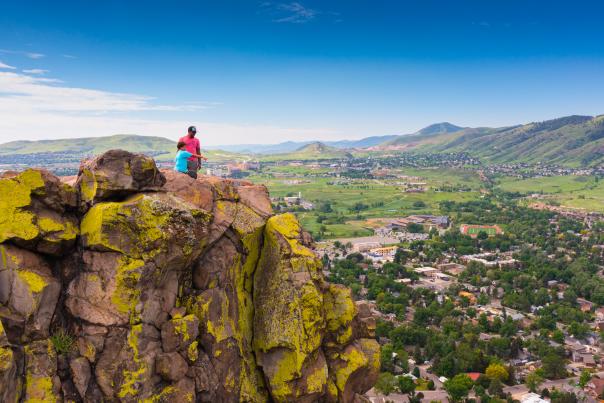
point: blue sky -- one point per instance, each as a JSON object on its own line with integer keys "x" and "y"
{"x": 269, "y": 71}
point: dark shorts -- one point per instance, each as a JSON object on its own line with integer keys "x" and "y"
{"x": 193, "y": 166}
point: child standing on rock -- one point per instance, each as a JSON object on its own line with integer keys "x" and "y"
{"x": 182, "y": 157}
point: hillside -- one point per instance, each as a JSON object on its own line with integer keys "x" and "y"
{"x": 159, "y": 147}
{"x": 136, "y": 285}
{"x": 311, "y": 152}
{"x": 572, "y": 140}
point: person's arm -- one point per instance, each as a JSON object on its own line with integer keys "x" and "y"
{"x": 199, "y": 157}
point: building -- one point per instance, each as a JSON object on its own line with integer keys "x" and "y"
{"x": 584, "y": 304}
{"x": 532, "y": 398}
{"x": 384, "y": 251}
{"x": 426, "y": 271}
{"x": 453, "y": 268}
{"x": 428, "y": 222}
{"x": 365, "y": 246}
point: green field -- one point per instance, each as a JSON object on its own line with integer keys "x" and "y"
{"x": 476, "y": 230}
{"x": 382, "y": 198}
{"x": 585, "y": 192}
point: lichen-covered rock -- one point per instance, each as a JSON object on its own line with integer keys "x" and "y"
{"x": 138, "y": 250}
{"x": 116, "y": 174}
{"x": 28, "y": 293}
{"x": 179, "y": 333}
{"x": 355, "y": 369}
{"x": 171, "y": 366}
{"x": 80, "y": 373}
{"x": 289, "y": 321}
{"x": 41, "y": 381}
{"x": 340, "y": 311}
{"x": 125, "y": 368}
{"x": 10, "y": 382}
{"x": 190, "y": 292}
{"x": 35, "y": 212}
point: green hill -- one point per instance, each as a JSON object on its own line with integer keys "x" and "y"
{"x": 572, "y": 141}
{"x": 311, "y": 152}
{"x": 159, "y": 147}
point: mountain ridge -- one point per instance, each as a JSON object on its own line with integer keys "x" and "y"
{"x": 575, "y": 140}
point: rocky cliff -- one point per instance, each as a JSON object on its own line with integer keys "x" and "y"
{"x": 138, "y": 285}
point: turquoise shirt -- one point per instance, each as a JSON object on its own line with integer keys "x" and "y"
{"x": 180, "y": 161}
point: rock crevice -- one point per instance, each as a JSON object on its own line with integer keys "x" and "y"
{"x": 140, "y": 285}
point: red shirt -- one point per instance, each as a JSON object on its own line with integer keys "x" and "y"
{"x": 192, "y": 145}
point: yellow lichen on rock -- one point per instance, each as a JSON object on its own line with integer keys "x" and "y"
{"x": 131, "y": 378}
{"x": 34, "y": 281}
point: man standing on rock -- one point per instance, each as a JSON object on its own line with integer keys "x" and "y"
{"x": 192, "y": 146}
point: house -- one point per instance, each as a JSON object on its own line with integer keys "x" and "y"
{"x": 584, "y": 304}
{"x": 532, "y": 398}
{"x": 385, "y": 251}
{"x": 474, "y": 375}
{"x": 426, "y": 271}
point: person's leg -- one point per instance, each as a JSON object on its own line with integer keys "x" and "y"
{"x": 192, "y": 167}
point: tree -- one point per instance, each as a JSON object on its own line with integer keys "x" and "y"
{"x": 534, "y": 380}
{"x": 386, "y": 383}
{"x": 496, "y": 388}
{"x": 406, "y": 385}
{"x": 584, "y": 378}
{"x": 416, "y": 372}
{"x": 386, "y": 358}
{"x": 458, "y": 387}
{"x": 497, "y": 371}
{"x": 553, "y": 366}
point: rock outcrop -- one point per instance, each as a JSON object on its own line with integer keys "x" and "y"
{"x": 141, "y": 285}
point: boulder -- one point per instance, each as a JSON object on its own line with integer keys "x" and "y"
{"x": 10, "y": 382}
{"x": 28, "y": 293}
{"x": 117, "y": 174}
{"x": 80, "y": 373}
{"x": 171, "y": 366}
{"x": 36, "y": 212}
{"x": 137, "y": 251}
{"x": 42, "y": 383}
{"x": 189, "y": 290}
{"x": 197, "y": 192}
{"x": 179, "y": 333}
{"x": 288, "y": 321}
{"x": 355, "y": 369}
{"x": 125, "y": 368}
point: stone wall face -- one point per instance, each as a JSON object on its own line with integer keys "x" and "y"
{"x": 141, "y": 285}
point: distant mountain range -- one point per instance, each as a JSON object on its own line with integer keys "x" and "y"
{"x": 291, "y": 146}
{"x": 572, "y": 141}
{"x": 159, "y": 147}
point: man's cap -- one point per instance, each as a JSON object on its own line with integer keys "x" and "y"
{"x": 192, "y": 129}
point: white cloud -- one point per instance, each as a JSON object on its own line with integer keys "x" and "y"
{"x": 6, "y": 66}
{"x": 46, "y": 108}
{"x": 35, "y": 71}
{"x": 31, "y": 55}
{"x": 293, "y": 12}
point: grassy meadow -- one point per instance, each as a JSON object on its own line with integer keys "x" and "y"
{"x": 355, "y": 203}
{"x": 585, "y": 192}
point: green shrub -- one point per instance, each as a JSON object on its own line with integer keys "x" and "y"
{"x": 62, "y": 341}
